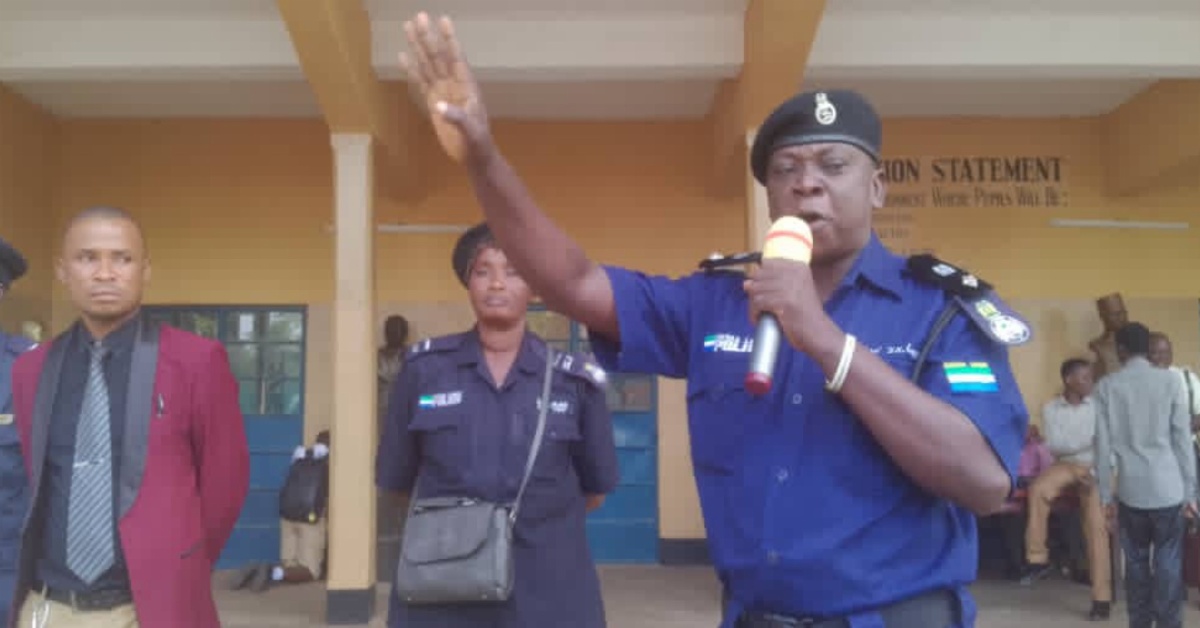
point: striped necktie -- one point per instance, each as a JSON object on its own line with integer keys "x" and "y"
{"x": 90, "y": 537}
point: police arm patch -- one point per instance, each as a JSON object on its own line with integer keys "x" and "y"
{"x": 970, "y": 377}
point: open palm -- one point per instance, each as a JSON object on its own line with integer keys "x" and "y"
{"x": 437, "y": 67}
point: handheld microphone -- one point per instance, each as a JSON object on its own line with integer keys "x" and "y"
{"x": 789, "y": 238}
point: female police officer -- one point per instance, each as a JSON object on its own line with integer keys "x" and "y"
{"x": 461, "y": 421}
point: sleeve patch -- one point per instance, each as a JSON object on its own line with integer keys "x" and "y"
{"x": 970, "y": 377}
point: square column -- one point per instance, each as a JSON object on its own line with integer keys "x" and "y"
{"x": 351, "y": 549}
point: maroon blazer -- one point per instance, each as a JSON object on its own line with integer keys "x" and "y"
{"x": 184, "y": 470}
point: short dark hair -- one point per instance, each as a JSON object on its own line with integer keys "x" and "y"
{"x": 396, "y": 325}
{"x": 1070, "y": 365}
{"x": 1158, "y": 335}
{"x": 110, "y": 212}
{"x": 1134, "y": 338}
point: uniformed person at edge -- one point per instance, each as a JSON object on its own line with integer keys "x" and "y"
{"x": 13, "y": 481}
{"x": 831, "y": 501}
{"x": 460, "y": 422}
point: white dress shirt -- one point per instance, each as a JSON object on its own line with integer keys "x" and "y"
{"x": 1070, "y": 429}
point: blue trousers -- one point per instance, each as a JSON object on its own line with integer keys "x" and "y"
{"x": 1154, "y": 587}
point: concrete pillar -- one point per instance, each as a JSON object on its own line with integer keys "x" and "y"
{"x": 351, "y": 582}
{"x": 758, "y": 215}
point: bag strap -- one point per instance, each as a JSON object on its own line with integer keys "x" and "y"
{"x": 543, "y": 408}
{"x": 939, "y": 326}
{"x": 533, "y": 450}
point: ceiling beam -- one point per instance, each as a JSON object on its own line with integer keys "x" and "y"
{"x": 332, "y": 39}
{"x": 1154, "y": 135}
{"x": 778, "y": 36}
{"x": 851, "y": 45}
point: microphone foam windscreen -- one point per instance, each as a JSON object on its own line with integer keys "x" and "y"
{"x": 789, "y": 238}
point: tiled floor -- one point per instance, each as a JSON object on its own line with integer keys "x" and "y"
{"x": 687, "y": 597}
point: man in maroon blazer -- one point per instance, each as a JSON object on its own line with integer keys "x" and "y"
{"x": 135, "y": 450}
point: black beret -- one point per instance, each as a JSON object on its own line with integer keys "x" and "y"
{"x": 12, "y": 264}
{"x": 817, "y": 117}
{"x": 467, "y": 248}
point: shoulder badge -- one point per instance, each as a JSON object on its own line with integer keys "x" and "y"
{"x": 438, "y": 344}
{"x": 975, "y": 297}
{"x": 6, "y": 419}
{"x": 996, "y": 319}
{"x": 581, "y": 367}
{"x": 957, "y": 282}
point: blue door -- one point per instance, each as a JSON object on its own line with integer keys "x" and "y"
{"x": 266, "y": 352}
{"x": 625, "y": 528}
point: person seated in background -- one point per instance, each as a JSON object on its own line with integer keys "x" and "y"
{"x": 1070, "y": 423}
{"x": 1007, "y": 527}
{"x": 302, "y": 509}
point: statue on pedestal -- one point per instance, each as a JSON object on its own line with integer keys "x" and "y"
{"x": 1113, "y": 315}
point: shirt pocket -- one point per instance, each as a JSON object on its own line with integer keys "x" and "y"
{"x": 442, "y": 441}
{"x": 718, "y": 409}
{"x": 563, "y": 434}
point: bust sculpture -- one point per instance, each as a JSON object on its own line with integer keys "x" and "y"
{"x": 1111, "y": 309}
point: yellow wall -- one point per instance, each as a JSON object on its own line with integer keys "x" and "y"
{"x": 28, "y": 150}
{"x": 235, "y": 213}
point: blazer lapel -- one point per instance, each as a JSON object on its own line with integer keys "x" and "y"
{"x": 139, "y": 406}
{"x": 43, "y": 403}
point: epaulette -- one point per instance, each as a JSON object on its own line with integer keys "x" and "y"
{"x": 931, "y": 270}
{"x": 582, "y": 367}
{"x": 975, "y": 297}
{"x": 430, "y": 346}
{"x": 726, "y": 264}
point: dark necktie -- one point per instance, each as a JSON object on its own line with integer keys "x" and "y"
{"x": 90, "y": 508}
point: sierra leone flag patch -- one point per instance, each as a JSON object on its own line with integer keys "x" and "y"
{"x": 970, "y": 377}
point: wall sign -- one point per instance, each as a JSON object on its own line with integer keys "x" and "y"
{"x": 1001, "y": 182}
{"x": 981, "y": 182}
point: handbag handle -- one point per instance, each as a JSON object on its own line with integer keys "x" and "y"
{"x": 544, "y": 407}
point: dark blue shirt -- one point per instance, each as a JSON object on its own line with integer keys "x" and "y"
{"x": 805, "y": 512}
{"x": 452, "y": 431}
{"x": 51, "y": 567}
{"x": 14, "y": 482}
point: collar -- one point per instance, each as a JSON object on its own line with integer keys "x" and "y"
{"x": 1062, "y": 401}
{"x": 530, "y": 356}
{"x": 119, "y": 341}
{"x": 878, "y": 267}
{"x": 1138, "y": 361}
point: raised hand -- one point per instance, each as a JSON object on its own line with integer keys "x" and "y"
{"x": 437, "y": 67}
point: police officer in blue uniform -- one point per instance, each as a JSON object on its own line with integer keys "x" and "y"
{"x": 461, "y": 421}
{"x": 13, "y": 480}
{"x": 846, "y": 496}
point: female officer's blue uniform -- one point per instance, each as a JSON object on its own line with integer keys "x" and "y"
{"x": 449, "y": 431}
{"x": 13, "y": 480}
{"x": 806, "y": 514}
